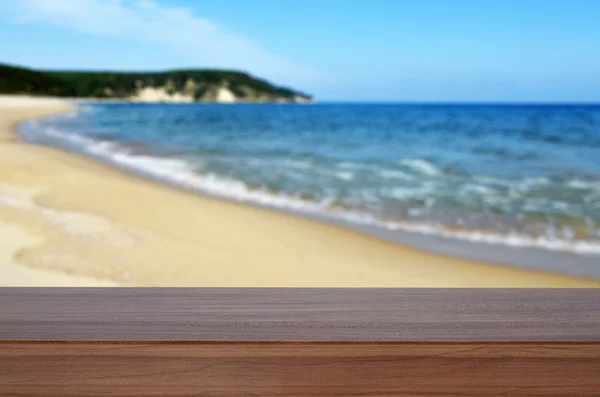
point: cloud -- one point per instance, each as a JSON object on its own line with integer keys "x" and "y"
{"x": 177, "y": 29}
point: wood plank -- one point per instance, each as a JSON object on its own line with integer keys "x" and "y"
{"x": 309, "y": 369}
{"x": 230, "y": 314}
{"x": 299, "y": 342}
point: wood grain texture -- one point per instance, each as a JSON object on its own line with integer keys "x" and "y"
{"x": 299, "y": 342}
{"x": 231, "y": 314}
{"x": 435, "y": 369}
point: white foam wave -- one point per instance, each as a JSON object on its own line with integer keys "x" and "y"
{"x": 344, "y": 175}
{"x": 477, "y": 189}
{"x": 581, "y": 184}
{"x": 181, "y": 173}
{"x": 532, "y": 183}
{"x": 511, "y": 239}
{"x": 395, "y": 174}
{"x": 421, "y": 166}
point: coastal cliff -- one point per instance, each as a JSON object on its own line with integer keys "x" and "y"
{"x": 219, "y": 86}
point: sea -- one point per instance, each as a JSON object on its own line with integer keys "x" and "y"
{"x": 514, "y": 184}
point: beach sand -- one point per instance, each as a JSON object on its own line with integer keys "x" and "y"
{"x": 68, "y": 220}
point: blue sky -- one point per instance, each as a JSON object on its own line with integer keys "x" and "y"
{"x": 376, "y": 50}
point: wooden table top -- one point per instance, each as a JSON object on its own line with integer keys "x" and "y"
{"x": 292, "y": 314}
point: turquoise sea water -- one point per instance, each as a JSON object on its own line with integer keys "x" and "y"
{"x": 503, "y": 175}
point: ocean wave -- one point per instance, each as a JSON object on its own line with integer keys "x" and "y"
{"x": 482, "y": 190}
{"x": 180, "y": 172}
{"x": 584, "y": 185}
{"x": 422, "y": 166}
{"x": 395, "y": 174}
{"x": 344, "y": 175}
{"x": 404, "y": 193}
{"x": 510, "y": 239}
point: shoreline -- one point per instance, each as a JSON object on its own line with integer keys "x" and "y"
{"x": 562, "y": 256}
{"x": 60, "y": 198}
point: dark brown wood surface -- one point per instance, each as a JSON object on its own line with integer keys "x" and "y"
{"x": 333, "y": 369}
{"x": 230, "y": 314}
{"x": 299, "y": 342}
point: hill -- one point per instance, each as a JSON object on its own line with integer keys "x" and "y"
{"x": 169, "y": 86}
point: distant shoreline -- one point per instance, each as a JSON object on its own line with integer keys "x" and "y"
{"x": 76, "y": 100}
{"x": 124, "y": 239}
{"x": 316, "y": 102}
{"x": 178, "y": 86}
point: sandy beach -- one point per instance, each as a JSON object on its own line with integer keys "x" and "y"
{"x": 68, "y": 220}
